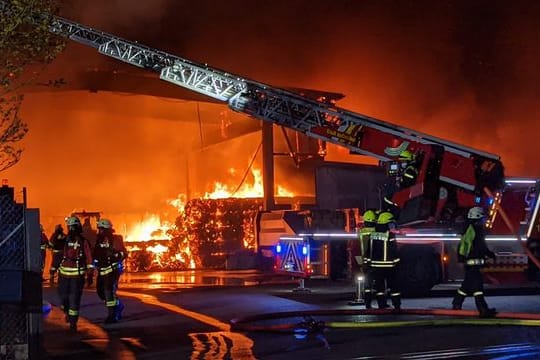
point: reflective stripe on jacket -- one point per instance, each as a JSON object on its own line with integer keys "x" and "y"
{"x": 382, "y": 249}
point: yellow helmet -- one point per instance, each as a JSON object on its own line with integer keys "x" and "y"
{"x": 370, "y": 216}
{"x": 406, "y": 155}
{"x": 385, "y": 217}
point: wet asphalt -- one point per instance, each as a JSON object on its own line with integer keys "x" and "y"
{"x": 189, "y": 316}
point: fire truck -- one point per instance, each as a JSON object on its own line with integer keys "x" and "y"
{"x": 450, "y": 177}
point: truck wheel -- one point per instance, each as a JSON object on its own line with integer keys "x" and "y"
{"x": 419, "y": 270}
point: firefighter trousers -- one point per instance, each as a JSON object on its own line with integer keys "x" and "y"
{"x": 385, "y": 280}
{"x": 70, "y": 292}
{"x": 473, "y": 284}
{"x": 106, "y": 287}
{"x": 368, "y": 286}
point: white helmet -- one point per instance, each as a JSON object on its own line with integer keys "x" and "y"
{"x": 104, "y": 224}
{"x": 475, "y": 213}
{"x": 73, "y": 221}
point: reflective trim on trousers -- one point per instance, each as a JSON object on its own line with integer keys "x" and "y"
{"x": 71, "y": 271}
{"x": 109, "y": 269}
{"x": 111, "y": 303}
{"x": 475, "y": 262}
{"x": 72, "y": 312}
{"x": 478, "y": 293}
{"x": 461, "y": 292}
{"x": 395, "y": 294}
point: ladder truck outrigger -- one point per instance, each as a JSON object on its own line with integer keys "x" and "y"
{"x": 451, "y": 177}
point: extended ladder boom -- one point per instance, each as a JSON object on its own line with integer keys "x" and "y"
{"x": 316, "y": 119}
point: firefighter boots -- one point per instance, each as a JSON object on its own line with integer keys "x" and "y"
{"x": 73, "y": 323}
{"x": 483, "y": 309}
{"x": 111, "y": 315}
{"x": 457, "y": 303}
{"x": 381, "y": 302}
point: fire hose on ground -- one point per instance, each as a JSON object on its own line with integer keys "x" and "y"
{"x": 458, "y": 317}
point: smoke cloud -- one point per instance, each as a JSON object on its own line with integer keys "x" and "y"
{"x": 464, "y": 71}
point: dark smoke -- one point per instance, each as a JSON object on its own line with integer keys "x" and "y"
{"x": 467, "y": 71}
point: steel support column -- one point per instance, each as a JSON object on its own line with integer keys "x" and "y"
{"x": 268, "y": 164}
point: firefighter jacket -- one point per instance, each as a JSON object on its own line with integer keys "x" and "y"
{"x": 44, "y": 241}
{"x": 109, "y": 252}
{"x": 382, "y": 250}
{"x": 77, "y": 257}
{"x": 472, "y": 248}
{"x": 363, "y": 236}
{"x": 57, "y": 241}
{"x": 408, "y": 178}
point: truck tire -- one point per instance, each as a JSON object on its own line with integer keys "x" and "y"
{"x": 419, "y": 270}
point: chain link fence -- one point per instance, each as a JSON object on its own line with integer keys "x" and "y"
{"x": 14, "y": 319}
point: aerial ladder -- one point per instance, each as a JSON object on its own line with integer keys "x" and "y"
{"x": 450, "y": 176}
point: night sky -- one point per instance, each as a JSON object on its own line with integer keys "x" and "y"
{"x": 467, "y": 71}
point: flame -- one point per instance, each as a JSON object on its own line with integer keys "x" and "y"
{"x": 153, "y": 228}
{"x": 253, "y": 190}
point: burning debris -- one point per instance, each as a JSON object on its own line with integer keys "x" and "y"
{"x": 205, "y": 233}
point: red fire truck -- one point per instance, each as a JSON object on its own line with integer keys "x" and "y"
{"x": 451, "y": 177}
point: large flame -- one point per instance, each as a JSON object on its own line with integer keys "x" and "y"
{"x": 253, "y": 190}
{"x": 150, "y": 238}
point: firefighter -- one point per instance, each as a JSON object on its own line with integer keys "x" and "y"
{"x": 57, "y": 242}
{"x": 383, "y": 258}
{"x": 473, "y": 252}
{"x": 44, "y": 244}
{"x": 410, "y": 169}
{"x": 370, "y": 220}
{"x": 75, "y": 266}
{"x": 109, "y": 252}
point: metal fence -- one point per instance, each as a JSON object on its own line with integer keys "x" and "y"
{"x": 14, "y": 318}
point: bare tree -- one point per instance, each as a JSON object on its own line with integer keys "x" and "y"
{"x": 26, "y": 46}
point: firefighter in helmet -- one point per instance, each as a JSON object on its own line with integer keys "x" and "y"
{"x": 473, "y": 253}
{"x": 410, "y": 169}
{"x": 109, "y": 252}
{"x": 76, "y": 264}
{"x": 383, "y": 258}
{"x": 57, "y": 241}
{"x": 370, "y": 220}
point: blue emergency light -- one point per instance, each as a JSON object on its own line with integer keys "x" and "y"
{"x": 278, "y": 248}
{"x": 304, "y": 250}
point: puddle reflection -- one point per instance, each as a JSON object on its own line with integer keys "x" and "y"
{"x": 221, "y": 345}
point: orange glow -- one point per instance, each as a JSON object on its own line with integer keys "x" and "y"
{"x": 153, "y": 228}
{"x": 253, "y": 190}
